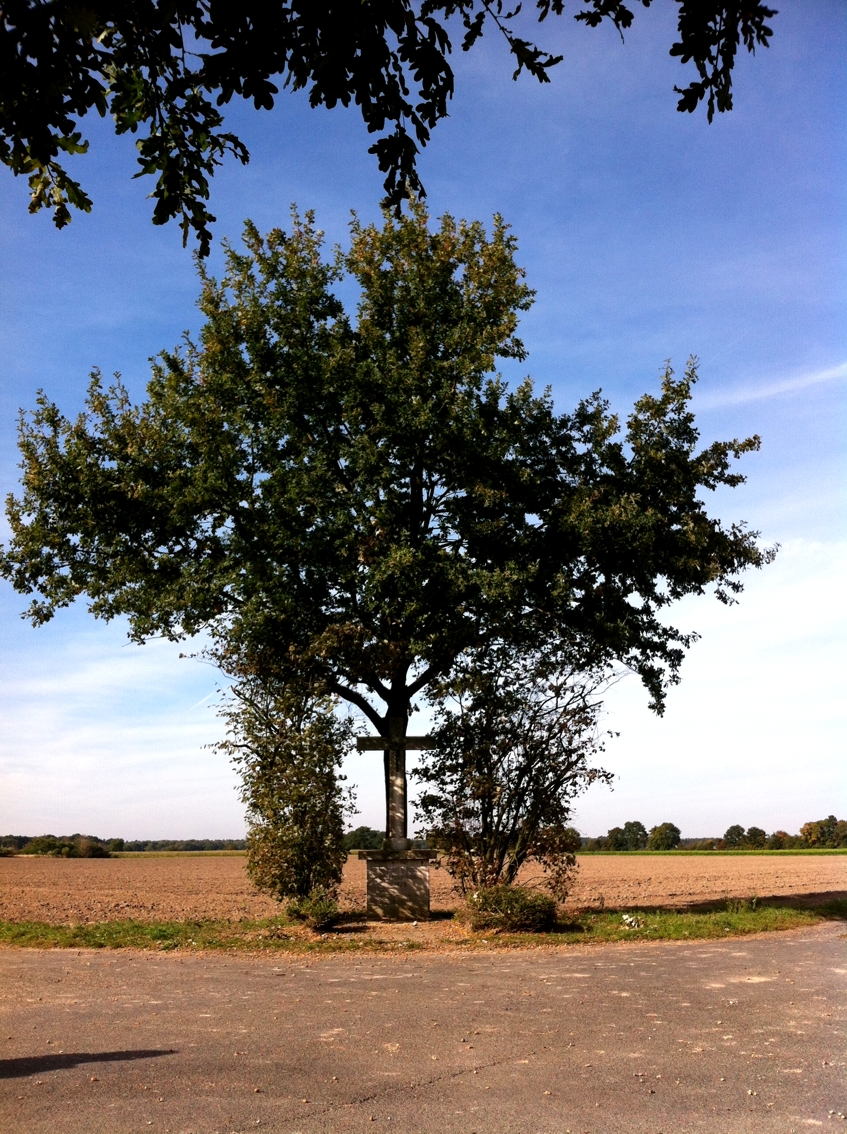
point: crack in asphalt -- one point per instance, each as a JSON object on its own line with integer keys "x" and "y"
{"x": 397, "y": 1089}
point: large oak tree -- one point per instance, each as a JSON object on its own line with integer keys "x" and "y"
{"x": 356, "y": 502}
{"x": 165, "y": 68}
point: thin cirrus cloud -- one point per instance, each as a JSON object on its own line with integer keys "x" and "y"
{"x": 113, "y": 739}
{"x": 744, "y": 394}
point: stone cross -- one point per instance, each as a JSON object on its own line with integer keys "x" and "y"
{"x": 397, "y": 876}
{"x": 396, "y": 805}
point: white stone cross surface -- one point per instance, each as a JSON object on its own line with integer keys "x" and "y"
{"x": 394, "y": 746}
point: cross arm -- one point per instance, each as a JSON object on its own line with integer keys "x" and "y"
{"x": 380, "y": 744}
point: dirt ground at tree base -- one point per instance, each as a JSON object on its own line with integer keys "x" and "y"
{"x": 74, "y": 891}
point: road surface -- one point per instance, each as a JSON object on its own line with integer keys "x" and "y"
{"x": 744, "y": 1035}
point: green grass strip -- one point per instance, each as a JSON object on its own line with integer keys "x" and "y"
{"x": 682, "y": 851}
{"x": 737, "y": 918}
{"x": 268, "y": 933}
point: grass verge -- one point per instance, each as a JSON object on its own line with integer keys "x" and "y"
{"x": 736, "y": 918}
{"x": 268, "y": 933}
{"x": 681, "y": 852}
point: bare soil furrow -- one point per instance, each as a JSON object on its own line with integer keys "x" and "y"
{"x": 62, "y": 891}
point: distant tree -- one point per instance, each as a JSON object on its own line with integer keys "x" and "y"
{"x": 734, "y": 837}
{"x": 167, "y": 69}
{"x": 829, "y": 832}
{"x": 632, "y": 836}
{"x": 615, "y": 840}
{"x": 513, "y": 744}
{"x": 288, "y": 747}
{"x": 635, "y": 835}
{"x": 781, "y": 840}
{"x": 664, "y": 837}
{"x": 116, "y": 844}
{"x": 755, "y": 838}
{"x": 364, "y": 838}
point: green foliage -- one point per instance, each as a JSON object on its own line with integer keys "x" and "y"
{"x": 288, "y": 747}
{"x": 364, "y": 838}
{"x": 50, "y": 845}
{"x": 17, "y": 842}
{"x": 741, "y": 905}
{"x": 681, "y": 925}
{"x": 166, "y": 70}
{"x": 512, "y": 742}
{"x": 781, "y": 840}
{"x": 664, "y": 837}
{"x": 829, "y": 832}
{"x": 361, "y": 506}
{"x": 512, "y": 909}
{"x": 632, "y": 836}
{"x": 116, "y": 844}
{"x": 755, "y": 838}
{"x": 71, "y": 846}
{"x": 318, "y": 909}
{"x": 734, "y": 836}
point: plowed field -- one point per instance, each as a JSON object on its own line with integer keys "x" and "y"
{"x": 62, "y": 891}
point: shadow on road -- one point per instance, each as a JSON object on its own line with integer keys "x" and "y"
{"x": 37, "y": 1064}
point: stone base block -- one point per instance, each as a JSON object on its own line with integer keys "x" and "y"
{"x": 398, "y": 884}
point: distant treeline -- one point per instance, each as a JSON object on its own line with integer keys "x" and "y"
{"x": 829, "y": 833}
{"x": 368, "y": 838}
{"x": 178, "y": 844}
{"x": 363, "y": 838}
{"x": 89, "y": 846}
{"x": 59, "y": 846}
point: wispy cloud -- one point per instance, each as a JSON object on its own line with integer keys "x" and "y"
{"x": 718, "y": 398}
{"x": 111, "y": 739}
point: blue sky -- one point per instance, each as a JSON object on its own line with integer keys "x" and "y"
{"x": 647, "y": 235}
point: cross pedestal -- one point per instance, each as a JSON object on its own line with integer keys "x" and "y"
{"x": 398, "y": 883}
{"x": 397, "y": 875}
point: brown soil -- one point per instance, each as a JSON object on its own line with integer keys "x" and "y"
{"x": 62, "y": 891}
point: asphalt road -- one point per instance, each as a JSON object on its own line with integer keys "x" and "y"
{"x": 744, "y": 1035}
